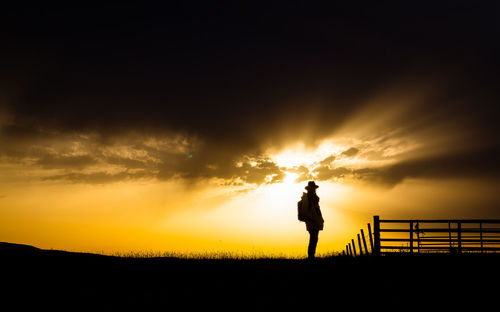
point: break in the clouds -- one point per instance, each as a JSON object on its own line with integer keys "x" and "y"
{"x": 196, "y": 93}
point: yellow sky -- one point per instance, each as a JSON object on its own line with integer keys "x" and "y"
{"x": 207, "y": 216}
{"x": 139, "y": 192}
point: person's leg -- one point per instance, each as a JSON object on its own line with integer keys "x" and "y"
{"x": 313, "y": 241}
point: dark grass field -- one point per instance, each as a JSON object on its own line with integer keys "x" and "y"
{"x": 34, "y": 278}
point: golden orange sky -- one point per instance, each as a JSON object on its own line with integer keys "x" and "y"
{"x": 97, "y": 207}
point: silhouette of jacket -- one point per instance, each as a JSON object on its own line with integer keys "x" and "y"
{"x": 316, "y": 222}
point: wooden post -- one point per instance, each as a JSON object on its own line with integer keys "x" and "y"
{"x": 354, "y": 248}
{"x": 364, "y": 242}
{"x": 459, "y": 236}
{"x": 376, "y": 234}
{"x": 481, "y": 235}
{"x": 360, "y": 248}
{"x": 449, "y": 236}
{"x": 411, "y": 237}
{"x": 350, "y": 250}
{"x": 370, "y": 235}
{"x": 417, "y": 227}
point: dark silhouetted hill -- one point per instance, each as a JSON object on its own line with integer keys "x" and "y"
{"x": 6, "y": 247}
{"x": 37, "y": 278}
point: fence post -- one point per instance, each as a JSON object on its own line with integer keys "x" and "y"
{"x": 370, "y": 235}
{"x": 449, "y": 237}
{"x": 354, "y": 248}
{"x": 376, "y": 234}
{"x": 350, "y": 250}
{"x": 411, "y": 237}
{"x": 360, "y": 248}
{"x": 481, "y": 235}
{"x": 459, "y": 236}
{"x": 364, "y": 242}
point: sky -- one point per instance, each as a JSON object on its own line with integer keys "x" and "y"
{"x": 194, "y": 128}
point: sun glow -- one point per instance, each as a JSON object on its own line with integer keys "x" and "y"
{"x": 290, "y": 178}
{"x": 300, "y": 155}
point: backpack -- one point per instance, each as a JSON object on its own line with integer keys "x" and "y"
{"x": 303, "y": 209}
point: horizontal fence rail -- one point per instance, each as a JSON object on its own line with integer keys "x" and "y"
{"x": 427, "y": 236}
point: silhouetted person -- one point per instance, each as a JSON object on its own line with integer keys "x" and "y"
{"x": 310, "y": 213}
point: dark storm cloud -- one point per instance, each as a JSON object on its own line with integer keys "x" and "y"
{"x": 237, "y": 78}
{"x": 212, "y": 70}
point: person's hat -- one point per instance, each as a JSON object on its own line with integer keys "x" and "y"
{"x": 311, "y": 185}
